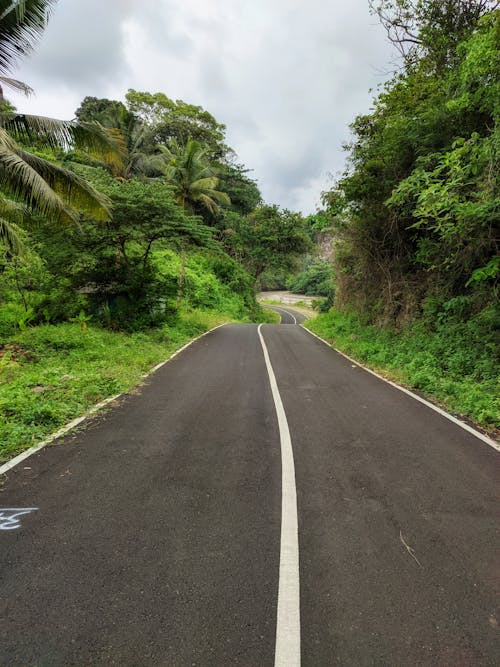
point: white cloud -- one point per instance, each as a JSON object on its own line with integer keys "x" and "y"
{"x": 286, "y": 77}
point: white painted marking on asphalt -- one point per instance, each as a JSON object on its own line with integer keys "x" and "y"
{"x": 9, "y": 516}
{"x": 67, "y": 427}
{"x": 418, "y": 398}
{"x": 287, "y": 650}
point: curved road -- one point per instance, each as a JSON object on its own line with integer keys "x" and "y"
{"x": 288, "y": 316}
{"x": 157, "y": 529}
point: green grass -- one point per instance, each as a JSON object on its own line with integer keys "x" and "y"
{"x": 456, "y": 364}
{"x": 51, "y": 374}
{"x": 272, "y": 317}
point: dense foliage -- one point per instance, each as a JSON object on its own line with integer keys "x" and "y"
{"x": 418, "y": 210}
{"x": 315, "y": 280}
{"x": 129, "y": 214}
{"x": 416, "y": 214}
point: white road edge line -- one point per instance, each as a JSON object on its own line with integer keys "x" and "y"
{"x": 75, "y": 422}
{"x": 287, "y": 648}
{"x": 418, "y": 398}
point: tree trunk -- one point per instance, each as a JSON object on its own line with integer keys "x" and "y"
{"x": 182, "y": 274}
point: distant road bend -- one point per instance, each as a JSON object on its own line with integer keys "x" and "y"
{"x": 261, "y": 501}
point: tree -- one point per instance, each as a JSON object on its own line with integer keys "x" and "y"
{"x": 115, "y": 263}
{"x": 179, "y": 122}
{"x": 267, "y": 239}
{"x": 99, "y": 109}
{"x": 22, "y": 23}
{"x": 194, "y": 179}
{"x": 39, "y": 184}
{"x": 12, "y": 215}
{"x": 243, "y": 191}
{"x": 431, "y": 28}
{"x": 194, "y": 182}
{"x": 416, "y": 212}
{"x": 141, "y": 155}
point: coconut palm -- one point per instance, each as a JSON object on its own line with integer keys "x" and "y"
{"x": 140, "y": 155}
{"x": 39, "y": 184}
{"x": 193, "y": 178}
{"x": 12, "y": 215}
{"x": 194, "y": 181}
{"x": 22, "y": 23}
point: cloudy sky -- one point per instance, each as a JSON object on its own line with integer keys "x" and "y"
{"x": 286, "y": 76}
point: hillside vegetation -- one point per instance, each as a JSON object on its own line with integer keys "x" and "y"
{"x": 416, "y": 214}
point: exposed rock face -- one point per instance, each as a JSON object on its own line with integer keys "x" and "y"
{"x": 324, "y": 242}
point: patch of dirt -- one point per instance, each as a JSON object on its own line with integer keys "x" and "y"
{"x": 40, "y": 389}
{"x": 14, "y": 353}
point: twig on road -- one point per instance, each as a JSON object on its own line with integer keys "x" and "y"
{"x": 409, "y": 549}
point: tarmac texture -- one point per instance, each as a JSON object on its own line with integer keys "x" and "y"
{"x": 156, "y": 534}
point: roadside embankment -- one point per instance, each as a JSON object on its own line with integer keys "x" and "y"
{"x": 455, "y": 365}
{"x": 51, "y": 374}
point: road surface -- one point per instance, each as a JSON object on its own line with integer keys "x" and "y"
{"x": 154, "y": 535}
{"x": 287, "y": 315}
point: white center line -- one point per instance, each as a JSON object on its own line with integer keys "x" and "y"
{"x": 287, "y": 650}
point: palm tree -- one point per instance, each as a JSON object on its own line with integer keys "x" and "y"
{"x": 12, "y": 215}
{"x": 194, "y": 183}
{"x": 139, "y": 156}
{"x": 42, "y": 186}
{"x": 22, "y": 23}
{"x": 193, "y": 178}
{"x": 45, "y": 187}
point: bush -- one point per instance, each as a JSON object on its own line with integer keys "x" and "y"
{"x": 316, "y": 280}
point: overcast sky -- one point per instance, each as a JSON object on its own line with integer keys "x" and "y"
{"x": 286, "y": 76}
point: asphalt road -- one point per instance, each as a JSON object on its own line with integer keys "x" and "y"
{"x": 156, "y": 538}
{"x": 288, "y": 316}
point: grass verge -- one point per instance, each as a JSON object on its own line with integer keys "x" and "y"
{"x": 51, "y": 374}
{"x": 456, "y": 364}
{"x": 272, "y": 317}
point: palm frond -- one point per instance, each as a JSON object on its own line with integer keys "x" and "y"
{"x": 10, "y": 237}
{"x": 193, "y": 177}
{"x": 16, "y": 85}
{"x": 45, "y": 187}
{"x": 207, "y": 202}
{"x": 207, "y": 183}
{"x": 25, "y": 184}
{"x": 107, "y": 145}
{"x": 71, "y": 188}
{"x": 22, "y": 22}
{"x": 221, "y": 197}
{"x": 13, "y": 211}
{"x": 167, "y": 152}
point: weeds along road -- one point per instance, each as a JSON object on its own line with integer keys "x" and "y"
{"x": 165, "y": 532}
